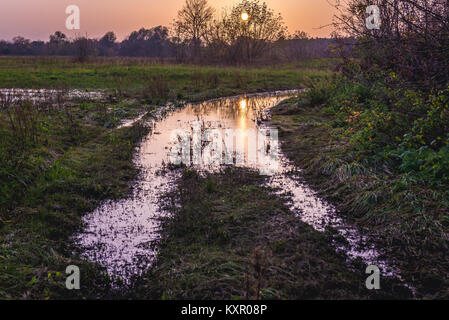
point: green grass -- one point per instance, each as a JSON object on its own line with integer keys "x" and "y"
{"x": 28, "y": 151}
{"x": 229, "y": 237}
{"x": 54, "y": 170}
{"x": 58, "y": 162}
{"x": 34, "y": 236}
{"x": 324, "y": 132}
{"x": 137, "y": 76}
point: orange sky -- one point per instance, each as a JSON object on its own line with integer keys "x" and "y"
{"x": 37, "y": 19}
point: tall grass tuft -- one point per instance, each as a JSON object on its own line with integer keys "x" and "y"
{"x": 157, "y": 90}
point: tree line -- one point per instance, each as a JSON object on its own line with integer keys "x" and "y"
{"x": 249, "y": 32}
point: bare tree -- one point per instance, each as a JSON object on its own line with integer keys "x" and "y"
{"x": 192, "y": 23}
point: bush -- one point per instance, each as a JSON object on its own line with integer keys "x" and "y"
{"x": 403, "y": 127}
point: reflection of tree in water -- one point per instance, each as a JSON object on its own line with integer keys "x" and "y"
{"x": 230, "y": 108}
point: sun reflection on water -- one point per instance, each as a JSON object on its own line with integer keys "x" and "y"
{"x": 243, "y": 104}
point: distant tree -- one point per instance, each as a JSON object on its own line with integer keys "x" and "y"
{"x": 299, "y": 35}
{"x": 22, "y": 45}
{"x": 107, "y": 44}
{"x": 82, "y": 45}
{"x": 5, "y": 47}
{"x": 58, "y": 37}
{"x": 58, "y": 44}
{"x": 300, "y": 48}
{"x": 108, "y": 40}
{"x": 38, "y": 47}
{"x": 154, "y": 42}
{"x": 192, "y": 22}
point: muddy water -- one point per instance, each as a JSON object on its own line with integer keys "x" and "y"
{"x": 119, "y": 235}
{"x": 49, "y": 94}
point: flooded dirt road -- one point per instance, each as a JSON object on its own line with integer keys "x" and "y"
{"x": 119, "y": 235}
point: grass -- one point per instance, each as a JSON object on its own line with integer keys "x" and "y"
{"x": 137, "y": 77}
{"x": 60, "y": 159}
{"x": 404, "y": 215}
{"x": 62, "y": 164}
{"x": 229, "y": 237}
{"x": 34, "y": 138}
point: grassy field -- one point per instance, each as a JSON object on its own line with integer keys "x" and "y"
{"x": 338, "y": 135}
{"x": 156, "y": 83}
{"x": 60, "y": 159}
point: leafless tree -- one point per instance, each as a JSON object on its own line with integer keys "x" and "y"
{"x": 192, "y": 22}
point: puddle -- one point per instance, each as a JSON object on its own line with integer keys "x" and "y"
{"x": 118, "y": 235}
{"x": 320, "y": 215}
{"x": 130, "y": 122}
{"x": 49, "y": 94}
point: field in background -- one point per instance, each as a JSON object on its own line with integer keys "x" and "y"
{"x": 141, "y": 77}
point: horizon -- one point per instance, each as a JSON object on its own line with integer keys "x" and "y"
{"x": 20, "y": 18}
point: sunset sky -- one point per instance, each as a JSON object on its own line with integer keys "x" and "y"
{"x": 37, "y": 19}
